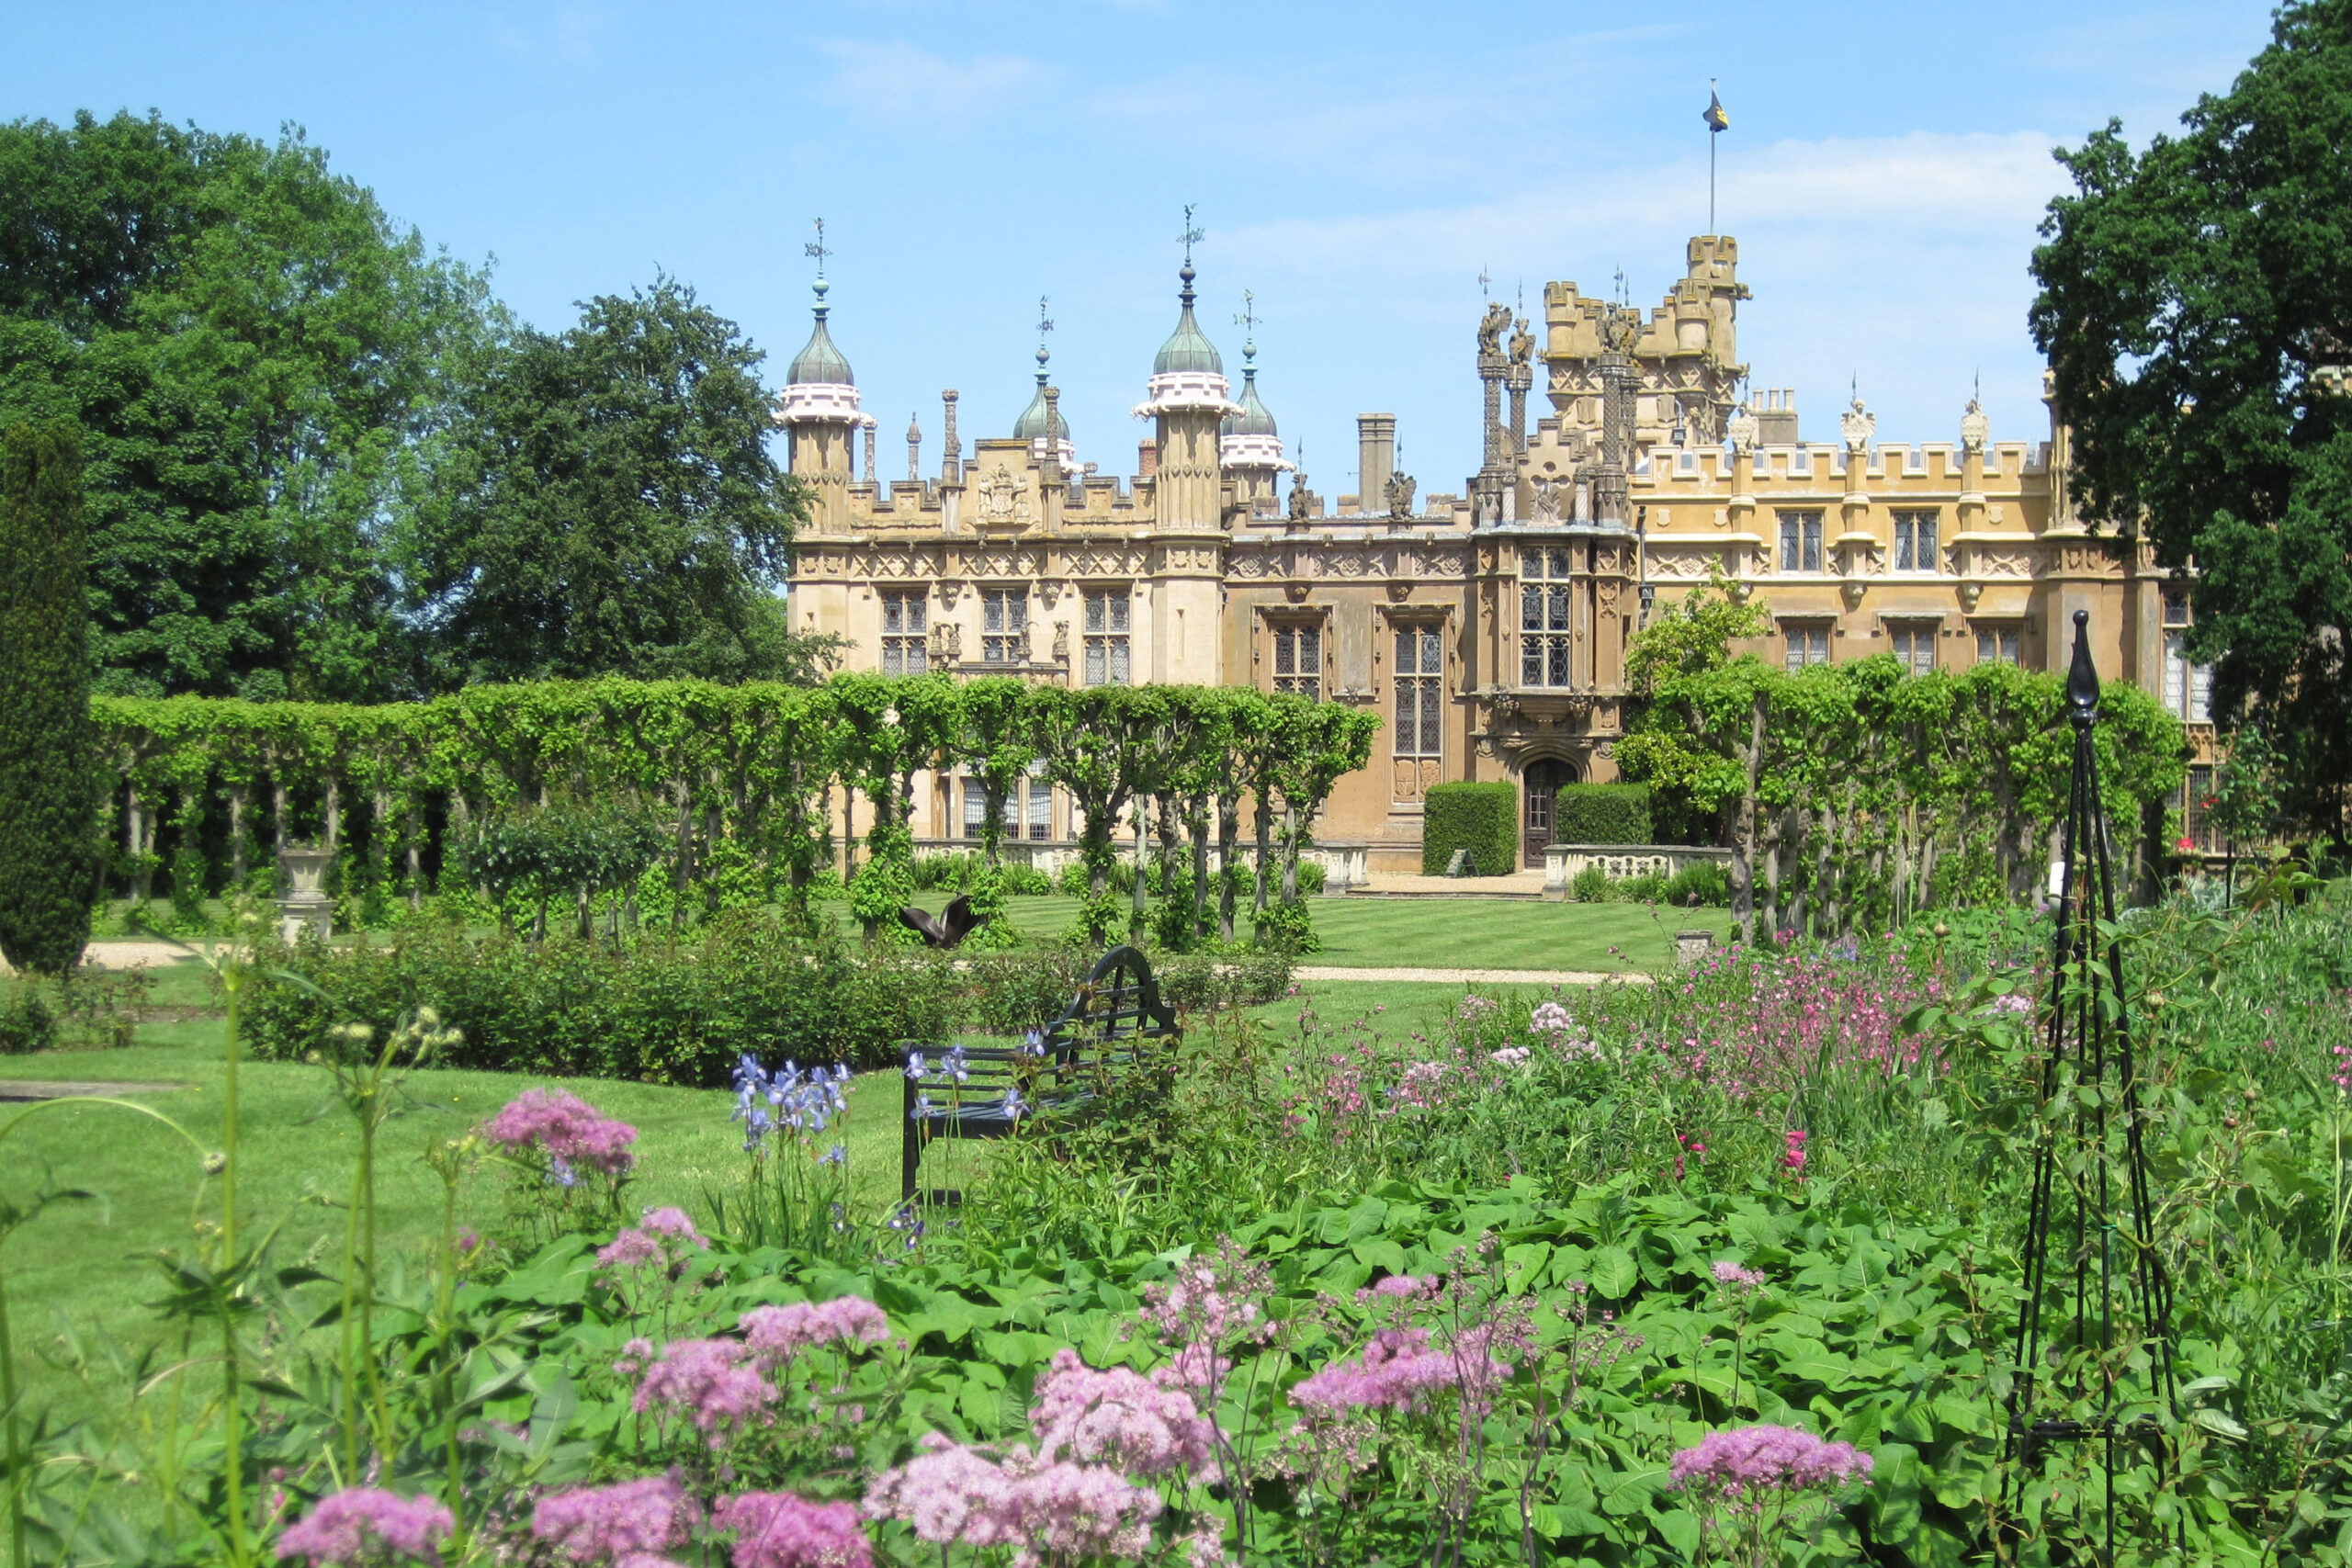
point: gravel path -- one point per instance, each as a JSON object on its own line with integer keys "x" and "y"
{"x": 1473, "y": 976}
{"x": 126, "y": 956}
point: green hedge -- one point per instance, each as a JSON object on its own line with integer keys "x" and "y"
{"x": 1480, "y": 817}
{"x": 1602, "y": 813}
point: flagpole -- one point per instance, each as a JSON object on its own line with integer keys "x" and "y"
{"x": 1711, "y": 179}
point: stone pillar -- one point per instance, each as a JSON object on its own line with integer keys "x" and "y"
{"x": 950, "y": 469}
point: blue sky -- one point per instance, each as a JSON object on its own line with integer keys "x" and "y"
{"x": 1356, "y": 165}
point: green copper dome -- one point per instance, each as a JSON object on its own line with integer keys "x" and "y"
{"x": 1254, "y": 419}
{"x": 1187, "y": 348}
{"x": 1031, "y": 425}
{"x": 820, "y": 361}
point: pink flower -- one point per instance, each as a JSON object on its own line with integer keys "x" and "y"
{"x": 1726, "y": 1272}
{"x": 949, "y": 1494}
{"x": 1740, "y": 1464}
{"x": 346, "y": 1524}
{"x": 615, "y": 1524}
{"x": 673, "y": 1223}
{"x": 1793, "y": 1151}
{"x": 778, "y": 1529}
{"x": 663, "y": 1240}
{"x": 778, "y": 1333}
{"x": 1143, "y": 1426}
{"x": 708, "y": 1381}
{"x": 563, "y": 1127}
{"x": 1399, "y": 1370}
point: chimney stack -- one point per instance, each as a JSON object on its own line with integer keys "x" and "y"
{"x": 1146, "y": 459}
{"x": 951, "y": 459}
{"x": 1375, "y": 461}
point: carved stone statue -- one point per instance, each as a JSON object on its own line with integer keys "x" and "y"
{"x": 1858, "y": 424}
{"x": 1547, "y": 500}
{"x": 1495, "y": 322}
{"x": 1061, "y": 642}
{"x": 1522, "y": 343}
{"x": 1400, "y": 495}
{"x": 1302, "y": 502}
{"x": 946, "y": 643}
{"x": 1974, "y": 427}
{"x": 1742, "y": 427}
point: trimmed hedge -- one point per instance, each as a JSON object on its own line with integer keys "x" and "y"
{"x": 1602, "y": 813}
{"x": 1480, "y": 817}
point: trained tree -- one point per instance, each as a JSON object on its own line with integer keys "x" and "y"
{"x": 49, "y": 774}
{"x": 624, "y": 515}
{"x": 2196, "y": 306}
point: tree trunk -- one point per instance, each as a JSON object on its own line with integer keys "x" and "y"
{"x": 1198, "y": 810}
{"x": 412, "y": 842}
{"x": 1290, "y": 853}
{"x": 682, "y": 874}
{"x": 335, "y": 817}
{"x": 1743, "y": 855}
{"x": 136, "y": 832}
{"x": 1228, "y": 833}
{"x": 278, "y": 810}
{"x": 1135, "y": 898}
{"x": 1265, "y": 851}
{"x": 240, "y": 802}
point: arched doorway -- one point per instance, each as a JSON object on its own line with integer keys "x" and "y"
{"x": 1539, "y": 783}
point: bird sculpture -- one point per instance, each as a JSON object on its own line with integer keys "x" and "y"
{"x": 948, "y": 927}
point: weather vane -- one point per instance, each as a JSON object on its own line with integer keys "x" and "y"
{"x": 816, "y": 248}
{"x": 1249, "y": 318}
{"x": 1483, "y": 281}
{"x": 1044, "y": 322}
{"x": 1192, "y": 234}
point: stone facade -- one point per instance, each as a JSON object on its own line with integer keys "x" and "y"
{"x": 1488, "y": 629}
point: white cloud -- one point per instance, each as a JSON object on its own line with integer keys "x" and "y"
{"x": 896, "y": 81}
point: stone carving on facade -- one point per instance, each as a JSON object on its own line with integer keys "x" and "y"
{"x": 1491, "y": 328}
{"x": 2089, "y": 557}
{"x": 1742, "y": 428}
{"x": 1252, "y": 565}
{"x": 1522, "y": 343}
{"x": 1547, "y": 501}
{"x": 1399, "y": 590}
{"x": 950, "y": 590}
{"x": 1061, "y": 642}
{"x": 1969, "y": 594}
{"x": 1400, "y": 495}
{"x": 1303, "y": 504}
{"x": 1858, "y": 424}
{"x": 946, "y": 643}
{"x": 1435, "y": 563}
{"x": 1852, "y": 591}
{"x": 1974, "y": 427}
{"x": 1000, "y": 498}
{"x": 1297, "y": 592}
{"x": 2005, "y": 563}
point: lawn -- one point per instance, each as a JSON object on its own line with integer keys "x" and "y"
{"x": 1457, "y": 933}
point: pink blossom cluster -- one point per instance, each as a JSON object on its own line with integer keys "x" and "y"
{"x": 1213, "y": 1301}
{"x": 1760, "y": 1024}
{"x": 369, "y": 1524}
{"x": 776, "y": 1334}
{"x": 1400, "y": 1368}
{"x": 1793, "y": 1151}
{"x": 953, "y": 1494}
{"x": 1424, "y": 1086}
{"x": 1145, "y": 1426}
{"x": 1746, "y": 1465}
{"x": 631, "y": 1524}
{"x": 565, "y": 1128}
{"x": 778, "y": 1530}
{"x": 661, "y": 1239}
{"x": 713, "y": 1382}
{"x": 1510, "y": 1056}
{"x": 1728, "y": 1273}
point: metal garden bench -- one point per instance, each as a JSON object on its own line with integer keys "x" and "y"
{"x": 988, "y": 1091}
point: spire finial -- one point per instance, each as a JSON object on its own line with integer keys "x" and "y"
{"x": 1248, "y": 320}
{"x": 816, "y": 248}
{"x": 1190, "y": 236}
{"x": 1045, "y": 325}
{"x": 1483, "y": 281}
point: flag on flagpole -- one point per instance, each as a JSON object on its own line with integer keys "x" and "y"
{"x": 1716, "y": 118}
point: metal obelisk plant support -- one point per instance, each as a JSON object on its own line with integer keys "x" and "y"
{"x": 2097, "y": 1316}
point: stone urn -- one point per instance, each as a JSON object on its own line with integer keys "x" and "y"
{"x": 1693, "y": 947}
{"x": 306, "y": 907}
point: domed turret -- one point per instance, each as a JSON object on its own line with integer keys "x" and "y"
{"x": 1042, "y": 421}
{"x": 1187, "y": 348}
{"x": 1247, "y": 446}
{"x": 820, "y": 363}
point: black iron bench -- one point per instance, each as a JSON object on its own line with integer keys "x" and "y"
{"x": 1111, "y": 1025}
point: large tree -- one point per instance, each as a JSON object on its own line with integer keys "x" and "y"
{"x": 623, "y": 514}
{"x": 49, "y": 777}
{"x": 263, "y": 366}
{"x": 2196, "y": 306}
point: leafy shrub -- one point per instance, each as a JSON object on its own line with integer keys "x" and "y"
{"x": 1602, "y": 813}
{"x": 1071, "y": 881}
{"x": 1311, "y": 876}
{"x": 1703, "y": 883}
{"x": 656, "y": 1008}
{"x": 948, "y": 871}
{"x": 1589, "y": 886}
{"x": 1287, "y": 926}
{"x": 1480, "y": 817}
{"x": 1646, "y": 888}
{"x": 27, "y": 1023}
{"x": 1024, "y": 881}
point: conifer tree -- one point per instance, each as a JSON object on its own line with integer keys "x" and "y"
{"x": 49, "y": 844}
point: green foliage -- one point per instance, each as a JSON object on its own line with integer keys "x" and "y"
{"x": 1701, "y": 883}
{"x": 1602, "y": 813}
{"x": 264, "y": 369}
{"x": 623, "y": 513}
{"x": 1287, "y": 926}
{"x": 2179, "y": 290}
{"x": 49, "y": 783}
{"x": 27, "y": 1022}
{"x": 1589, "y": 886}
{"x": 1480, "y": 817}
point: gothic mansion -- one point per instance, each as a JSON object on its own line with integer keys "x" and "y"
{"x": 1488, "y": 629}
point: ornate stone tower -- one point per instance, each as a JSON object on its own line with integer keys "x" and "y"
{"x": 1042, "y": 421}
{"x": 1187, "y": 400}
{"x": 1684, "y": 357}
{"x": 818, "y": 411}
